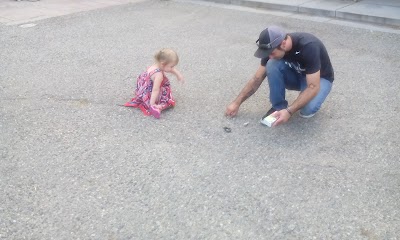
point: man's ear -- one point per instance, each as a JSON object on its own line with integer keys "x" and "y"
{"x": 283, "y": 45}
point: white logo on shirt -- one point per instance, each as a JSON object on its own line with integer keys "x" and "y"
{"x": 296, "y": 66}
{"x": 297, "y": 52}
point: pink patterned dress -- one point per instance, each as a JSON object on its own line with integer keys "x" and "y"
{"x": 144, "y": 87}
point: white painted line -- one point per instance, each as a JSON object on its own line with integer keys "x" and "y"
{"x": 28, "y": 25}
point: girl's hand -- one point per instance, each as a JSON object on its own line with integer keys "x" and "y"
{"x": 178, "y": 75}
{"x": 158, "y": 106}
{"x": 180, "y": 78}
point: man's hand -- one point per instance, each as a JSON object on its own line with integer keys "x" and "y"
{"x": 232, "y": 109}
{"x": 282, "y": 116}
{"x": 251, "y": 87}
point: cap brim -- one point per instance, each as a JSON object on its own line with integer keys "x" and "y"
{"x": 263, "y": 53}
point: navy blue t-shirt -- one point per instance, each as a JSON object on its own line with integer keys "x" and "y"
{"x": 307, "y": 56}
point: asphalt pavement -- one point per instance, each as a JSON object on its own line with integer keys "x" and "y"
{"x": 76, "y": 165}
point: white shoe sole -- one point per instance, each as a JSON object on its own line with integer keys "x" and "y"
{"x": 307, "y": 116}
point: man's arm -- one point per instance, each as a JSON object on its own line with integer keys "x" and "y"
{"x": 312, "y": 62}
{"x": 313, "y": 82}
{"x": 249, "y": 89}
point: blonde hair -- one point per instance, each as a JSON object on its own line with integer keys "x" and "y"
{"x": 166, "y": 55}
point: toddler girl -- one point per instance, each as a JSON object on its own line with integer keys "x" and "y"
{"x": 153, "y": 91}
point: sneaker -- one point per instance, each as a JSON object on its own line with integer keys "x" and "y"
{"x": 269, "y": 113}
{"x": 155, "y": 112}
{"x": 307, "y": 116}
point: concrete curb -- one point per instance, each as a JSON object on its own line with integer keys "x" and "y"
{"x": 383, "y": 12}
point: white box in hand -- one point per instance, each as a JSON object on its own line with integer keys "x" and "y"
{"x": 268, "y": 120}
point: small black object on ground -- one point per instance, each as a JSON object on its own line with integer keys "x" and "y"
{"x": 227, "y": 129}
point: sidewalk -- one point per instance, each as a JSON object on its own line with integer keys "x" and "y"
{"x": 385, "y": 12}
{"x": 17, "y": 12}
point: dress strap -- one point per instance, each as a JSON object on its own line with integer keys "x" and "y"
{"x": 154, "y": 71}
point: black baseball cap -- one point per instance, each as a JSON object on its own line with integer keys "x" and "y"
{"x": 270, "y": 38}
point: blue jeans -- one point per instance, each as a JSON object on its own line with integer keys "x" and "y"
{"x": 282, "y": 76}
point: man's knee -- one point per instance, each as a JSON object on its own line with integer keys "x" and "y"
{"x": 315, "y": 104}
{"x": 273, "y": 65}
{"x": 310, "y": 108}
